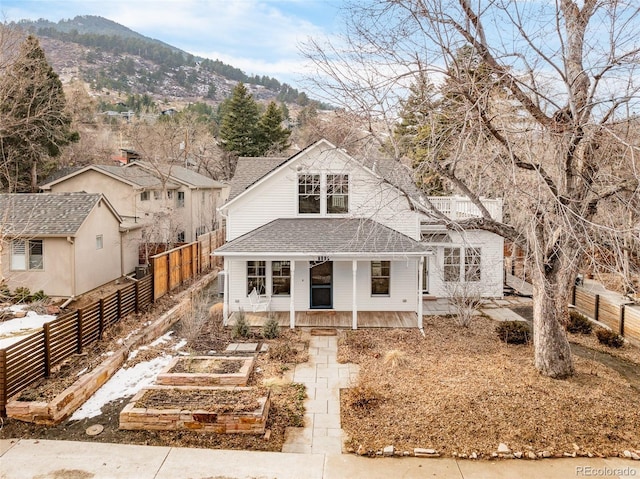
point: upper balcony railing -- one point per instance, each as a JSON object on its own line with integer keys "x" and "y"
{"x": 461, "y": 207}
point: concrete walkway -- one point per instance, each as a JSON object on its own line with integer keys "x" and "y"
{"x": 40, "y": 459}
{"x": 323, "y": 378}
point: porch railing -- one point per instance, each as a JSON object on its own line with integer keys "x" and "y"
{"x": 461, "y": 207}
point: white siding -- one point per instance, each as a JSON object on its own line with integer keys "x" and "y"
{"x": 491, "y": 283}
{"x": 402, "y": 297}
{"x": 276, "y": 197}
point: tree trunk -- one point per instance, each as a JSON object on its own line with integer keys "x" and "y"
{"x": 34, "y": 176}
{"x": 551, "y": 346}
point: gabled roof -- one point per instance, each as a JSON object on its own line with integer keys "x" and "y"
{"x": 251, "y": 169}
{"x": 178, "y": 174}
{"x": 136, "y": 177}
{"x": 47, "y": 214}
{"x": 323, "y": 236}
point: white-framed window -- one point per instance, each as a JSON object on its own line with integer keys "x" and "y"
{"x": 181, "y": 237}
{"x": 257, "y": 276}
{"x": 309, "y": 194}
{"x": 380, "y": 278}
{"x": 144, "y": 196}
{"x": 180, "y": 199}
{"x": 472, "y": 262}
{"x": 99, "y": 242}
{"x": 337, "y": 194}
{"x": 27, "y": 255}
{"x": 169, "y": 194}
{"x": 451, "y": 265}
{"x": 281, "y": 278}
{"x": 462, "y": 264}
{"x": 157, "y": 195}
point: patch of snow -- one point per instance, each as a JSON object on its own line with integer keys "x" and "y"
{"x": 181, "y": 344}
{"x": 80, "y": 373}
{"x": 126, "y": 382}
{"x": 165, "y": 338}
{"x": 16, "y": 329}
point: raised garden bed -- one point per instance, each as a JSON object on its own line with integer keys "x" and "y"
{"x": 221, "y": 410}
{"x": 207, "y": 371}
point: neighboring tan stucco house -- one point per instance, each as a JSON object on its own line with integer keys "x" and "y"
{"x": 322, "y": 231}
{"x": 173, "y": 204}
{"x": 62, "y": 243}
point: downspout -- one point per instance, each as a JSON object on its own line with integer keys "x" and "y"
{"x": 73, "y": 265}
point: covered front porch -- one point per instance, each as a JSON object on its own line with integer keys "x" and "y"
{"x": 332, "y": 319}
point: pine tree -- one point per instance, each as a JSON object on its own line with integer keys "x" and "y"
{"x": 238, "y": 129}
{"x": 273, "y": 137}
{"x": 34, "y": 122}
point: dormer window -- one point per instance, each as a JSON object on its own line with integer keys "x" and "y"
{"x": 309, "y": 194}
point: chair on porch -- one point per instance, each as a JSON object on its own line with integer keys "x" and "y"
{"x": 259, "y": 302}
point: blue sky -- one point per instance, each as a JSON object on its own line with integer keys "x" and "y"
{"x": 258, "y": 36}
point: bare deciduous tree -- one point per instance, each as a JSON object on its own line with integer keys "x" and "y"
{"x": 544, "y": 99}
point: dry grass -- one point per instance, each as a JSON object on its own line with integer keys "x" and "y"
{"x": 462, "y": 390}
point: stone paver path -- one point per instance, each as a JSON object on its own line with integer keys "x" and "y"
{"x": 323, "y": 377}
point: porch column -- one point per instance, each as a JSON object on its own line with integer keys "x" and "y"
{"x": 420, "y": 286}
{"x": 225, "y": 300}
{"x": 354, "y": 306}
{"x": 292, "y": 308}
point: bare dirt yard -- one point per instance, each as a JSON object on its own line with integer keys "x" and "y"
{"x": 462, "y": 391}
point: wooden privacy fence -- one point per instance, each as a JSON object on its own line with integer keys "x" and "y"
{"x": 33, "y": 357}
{"x": 174, "y": 267}
{"x": 620, "y": 317}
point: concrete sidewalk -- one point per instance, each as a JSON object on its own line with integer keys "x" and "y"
{"x": 40, "y": 459}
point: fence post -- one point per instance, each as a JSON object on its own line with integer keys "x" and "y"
{"x": 47, "y": 350}
{"x": 622, "y": 320}
{"x": 573, "y": 295}
{"x": 137, "y": 296}
{"x": 101, "y": 319}
{"x": 596, "y": 308}
{"x": 80, "y": 331}
{"x": 118, "y": 305}
{"x": 3, "y": 381}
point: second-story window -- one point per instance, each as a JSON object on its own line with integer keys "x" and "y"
{"x": 180, "y": 199}
{"x": 309, "y": 194}
{"x": 144, "y": 196}
{"x": 337, "y": 193}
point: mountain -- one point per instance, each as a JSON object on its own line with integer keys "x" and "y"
{"x": 113, "y": 59}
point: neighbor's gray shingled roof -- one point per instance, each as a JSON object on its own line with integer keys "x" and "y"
{"x": 251, "y": 169}
{"x": 321, "y": 236}
{"x": 45, "y": 214}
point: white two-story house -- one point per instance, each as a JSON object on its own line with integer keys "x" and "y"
{"x": 320, "y": 231}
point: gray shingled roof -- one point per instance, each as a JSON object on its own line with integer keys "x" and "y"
{"x": 324, "y": 236}
{"x": 137, "y": 176}
{"x": 45, "y": 214}
{"x": 178, "y": 173}
{"x": 251, "y": 169}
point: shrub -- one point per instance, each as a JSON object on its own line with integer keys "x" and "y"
{"x": 514, "y": 332}
{"x": 609, "y": 338}
{"x": 579, "y": 323}
{"x": 22, "y": 295}
{"x": 395, "y": 358}
{"x": 271, "y": 328}
{"x": 241, "y": 328}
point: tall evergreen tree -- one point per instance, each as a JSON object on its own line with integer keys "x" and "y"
{"x": 238, "y": 129}
{"x": 34, "y": 121}
{"x": 273, "y": 136}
